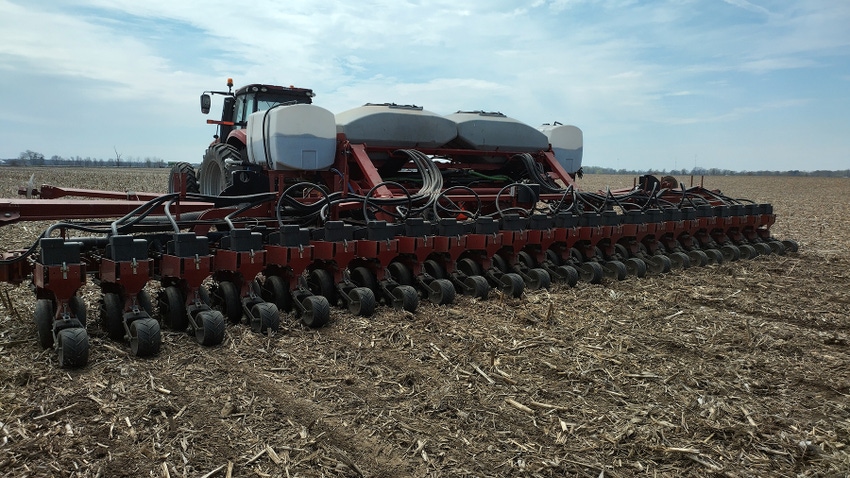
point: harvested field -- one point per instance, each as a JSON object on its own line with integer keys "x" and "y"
{"x": 736, "y": 370}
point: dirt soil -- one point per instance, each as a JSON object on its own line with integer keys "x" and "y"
{"x": 735, "y": 370}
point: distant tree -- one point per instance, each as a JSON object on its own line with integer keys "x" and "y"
{"x": 32, "y": 158}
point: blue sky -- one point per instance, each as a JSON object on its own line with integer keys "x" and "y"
{"x": 734, "y": 84}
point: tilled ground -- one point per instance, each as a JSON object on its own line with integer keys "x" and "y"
{"x": 737, "y": 369}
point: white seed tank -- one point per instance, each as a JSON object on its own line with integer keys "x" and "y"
{"x": 401, "y": 126}
{"x": 292, "y": 137}
{"x": 567, "y": 144}
{"x": 495, "y": 131}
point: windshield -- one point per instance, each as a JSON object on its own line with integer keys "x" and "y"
{"x": 251, "y": 103}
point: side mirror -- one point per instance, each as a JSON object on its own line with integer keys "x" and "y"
{"x": 205, "y": 103}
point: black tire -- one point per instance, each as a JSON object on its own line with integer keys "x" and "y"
{"x": 590, "y": 272}
{"x": 680, "y": 260}
{"x": 204, "y": 295}
{"x": 145, "y": 303}
{"x": 659, "y": 264}
{"x": 478, "y": 286}
{"x": 714, "y": 256}
{"x": 211, "y": 330}
{"x": 730, "y": 253}
{"x": 112, "y": 316}
{"x": 790, "y": 245}
{"x": 78, "y": 309}
{"x": 215, "y": 175}
{"x": 406, "y": 298}
{"x": 442, "y": 292}
{"x": 265, "y": 316}
{"x": 635, "y": 266}
{"x": 698, "y": 258}
{"x": 361, "y": 301}
{"x": 434, "y": 269}
{"x": 190, "y": 184}
{"x": 400, "y": 273}
{"x": 226, "y": 299}
{"x": 469, "y": 267}
{"x": 317, "y": 311}
{"x": 748, "y": 251}
{"x": 537, "y": 279}
{"x": 44, "y": 322}
{"x": 763, "y": 248}
{"x": 172, "y": 309}
{"x": 145, "y": 337}
{"x": 568, "y": 275}
{"x": 321, "y": 283}
{"x": 622, "y": 251}
{"x": 777, "y": 247}
{"x": 277, "y": 292}
{"x": 512, "y": 285}
{"x": 363, "y": 277}
{"x": 615, "y": 270}
{"x": 73, "y": 347}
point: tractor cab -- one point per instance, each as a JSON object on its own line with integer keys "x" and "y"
{"x": 249, "y": 99}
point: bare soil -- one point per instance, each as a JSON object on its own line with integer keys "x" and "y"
{"x": 737, "y": 370}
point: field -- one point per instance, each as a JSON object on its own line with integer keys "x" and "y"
{"x": 739, "y": 369}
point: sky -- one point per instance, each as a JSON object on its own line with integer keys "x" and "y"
{"x": 663, "y": 84}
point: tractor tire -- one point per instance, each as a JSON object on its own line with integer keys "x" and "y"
{"x": 190, "y": 183}
{"x": 215, "y": 174}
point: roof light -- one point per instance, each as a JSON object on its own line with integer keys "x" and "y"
{"x": 230, "y": 82}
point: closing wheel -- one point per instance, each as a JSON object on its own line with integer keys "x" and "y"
{"x": 321, "y": 283}
{"x": 698, "y": 258}
{"x": 78, "y": 309}
{"x": 44, "y": 322}
{"x": 469, "y": 267}
{"x": 400, "y": 273}
{"x": 361, "y": 301}
{"x": 275, "y": 291}
{"x": 635, "y": 266}
{"x": 442, "y": 292}
{"x": 567, "y": 274}
{"x": 763, "y": 248}
{"x": 211, "y": 330}
{"x": 615, "y": 270}
{"x": 145, "y": 339}
{"x": 478, "y": 286}
{"x": 226, "y": 299}
{"x": 112, "y": 315}
{"x": 714, "y": 256}
{"x": 748, "y": 251}
{"x": 172, "y": 309}
{"x": 317, "y": 311}
{"x": 73, "y": 347}
{"x": 590, "y": 272}
{"x": 730, "y": 253}
{"x": 434, "y": 269}
{"x": 145, "y": 303}
{"x": 406, "y": 298}
{"x": 776, "y": 247}
{"x": 512, "y": 285}
{"x": 537, "y": 279}
{"x": 790, "y": 245}
{"x": 679, "y": 260}
{"x": 363, "y": 277}
{"x": 264, "y": 317}
{"x": 659, "y": 264}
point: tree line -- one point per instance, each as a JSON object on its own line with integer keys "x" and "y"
{"x": 700, "y": 171}
{"x": 33, "y": 158}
